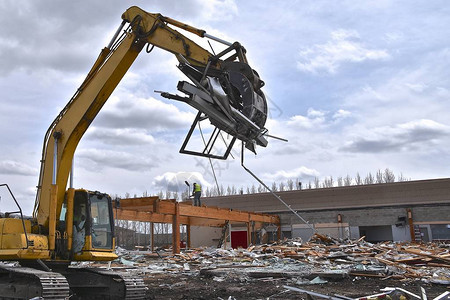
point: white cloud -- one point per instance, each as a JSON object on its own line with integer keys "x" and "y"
{"x": 392, "y": 37}
{"x": 403, "y": 95}
{"x": 341, "y": 114}
{"x": 219, "y": 9}
{"x": 100, "y": 159}
{"x": 410, "y": 136}
{"x": 312, "y": 119}
{"x": 151, "y": 114}
{"x": 120, "y": 136}
{"x": 424, "y": 129}
{"x": 315, "y": 119}
{"x": 10, "y": 167}
{"x": 283, "y": 175}
{"x": 316, "y": 114}
{"x": 373, "y": 94}
{"x": 300, "y": 121}
{"x": 345, "y": 46}
{"x": 416, "y": 87}
{"x": 175, "y": 181}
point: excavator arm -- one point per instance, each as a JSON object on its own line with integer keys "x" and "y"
{"x": 201, "y": 66}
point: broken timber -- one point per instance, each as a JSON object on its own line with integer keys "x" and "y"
{"x": 155, "y": 210}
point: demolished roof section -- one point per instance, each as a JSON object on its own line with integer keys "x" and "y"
{"x": 323, "y": 257}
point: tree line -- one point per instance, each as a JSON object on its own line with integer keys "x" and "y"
{"x": 386, "y": 176}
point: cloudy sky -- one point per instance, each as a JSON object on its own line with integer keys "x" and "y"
{"x": 355, "y": 86}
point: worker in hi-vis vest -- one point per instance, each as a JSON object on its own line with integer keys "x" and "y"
{"x": 197, "y": 192}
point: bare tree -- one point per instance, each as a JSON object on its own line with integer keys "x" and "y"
{"x": 233, "y": 190}
{"x": 261, "y": 189}
{"x": 281, "y": 187}
{"x": 253, "y": 189}
{"x": 214, "y": 191}
{"x": 369, "y": 179}
{"x": 290, "y": 184}
{"x": 401, "y": 178}
{"x": 328, "y": 182}
{"x": 316, "y": 183}
{"x": 379, "y": 176}
{"x": 185, "y": 195}
{"x": 274, "y": 187}
{"x": 340, "y": 181}
{"x": 241, "y": 190}
{"x": 347, "y": 180}
{"x": 358, "y": 179}
{"x": 388, "y": 176}
{"x": 229, "y": 190}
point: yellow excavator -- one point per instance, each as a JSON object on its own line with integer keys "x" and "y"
{"x": 71, "y": 225}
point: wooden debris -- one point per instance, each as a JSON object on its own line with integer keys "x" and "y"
{"x": 323, "y": 255}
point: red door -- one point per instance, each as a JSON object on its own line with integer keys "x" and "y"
{"x": 239, "y": 239}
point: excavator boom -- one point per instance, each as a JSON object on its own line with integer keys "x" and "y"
{"x": 232, "y": 113}
{"x": 106, "y": 73}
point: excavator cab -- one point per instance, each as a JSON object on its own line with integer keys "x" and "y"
{"x": 102, "y": 224}
{"x": 91, "y": 233}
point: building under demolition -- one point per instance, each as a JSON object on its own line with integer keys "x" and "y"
{"x": 401, "y": 211}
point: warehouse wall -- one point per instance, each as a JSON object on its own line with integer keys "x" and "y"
{"x": 205, "y": 236}
{"x": 378, "y": 211}
{"x": 371, "y": 216}
{"x": 409, "y": 193}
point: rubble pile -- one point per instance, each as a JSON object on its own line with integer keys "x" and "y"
{"x": 319, "y": 260}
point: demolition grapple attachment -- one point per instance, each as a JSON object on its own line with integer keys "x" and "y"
{"x": 228, "y": 94}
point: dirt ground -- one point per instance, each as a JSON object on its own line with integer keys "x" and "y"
{"x": 183, "y": 286}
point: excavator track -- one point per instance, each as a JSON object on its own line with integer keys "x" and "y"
{"x": 134, "y": 286}
{"x": 28, "y": 283}
{"x": 96, "y": 283}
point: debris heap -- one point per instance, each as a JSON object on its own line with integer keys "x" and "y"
{"x": 316, "y": 261}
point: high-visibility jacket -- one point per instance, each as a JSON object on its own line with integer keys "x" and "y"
{"x": 197, "y": 188}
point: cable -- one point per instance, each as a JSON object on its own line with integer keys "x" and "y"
{"x": 225, "y": 142}
{"x": 273, "y": 193}
{"x": 210, "y": 162}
